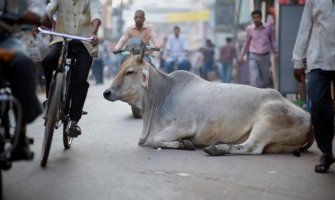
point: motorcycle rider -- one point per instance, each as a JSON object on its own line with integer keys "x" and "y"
{"x": 176, "y": 51}
{"x": 21, "y": 71}
{"x": 139, "y": 30}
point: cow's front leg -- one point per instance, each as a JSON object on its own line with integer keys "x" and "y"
{"x": 173, "y": 138}
{"x": 248, "y": 147}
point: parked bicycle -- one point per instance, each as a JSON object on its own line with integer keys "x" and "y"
{"x": 59, "y": 100}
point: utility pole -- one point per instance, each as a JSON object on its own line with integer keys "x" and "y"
{"x": 120, "y": 21}
{"x": 236, "y": 20}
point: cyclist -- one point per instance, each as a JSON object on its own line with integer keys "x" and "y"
{"x": 79, "y": 18}
{"x": 139, "y": 30}
{"x": 176, "y": 51}
{"x": 21, "y": 71}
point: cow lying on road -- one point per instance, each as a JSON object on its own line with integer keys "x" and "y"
{"x": 183, "y": 111}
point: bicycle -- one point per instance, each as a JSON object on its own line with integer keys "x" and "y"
{"x": 59, "y": 101}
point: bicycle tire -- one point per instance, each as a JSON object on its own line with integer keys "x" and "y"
{"x": 52, "y": 112}
{"x": 67, "y": 140}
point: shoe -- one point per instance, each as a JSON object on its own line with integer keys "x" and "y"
{"x": 324, "y": 163}
{"x": 74, "y": 130}
{"x": 22, "y": 151}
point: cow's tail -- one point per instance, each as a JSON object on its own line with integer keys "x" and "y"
{"x": 309, "y": 140}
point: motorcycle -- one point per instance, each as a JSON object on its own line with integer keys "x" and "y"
{"x": 10, "y": 120}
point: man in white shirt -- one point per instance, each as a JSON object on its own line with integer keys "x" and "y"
{"x": 176, "y": 51}
{"x": 79, "y": 18}
{"x": 316, "y": 42}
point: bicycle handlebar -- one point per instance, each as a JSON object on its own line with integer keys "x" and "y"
{"x": 65, "y": 35}
{"x": 149, "y": 48}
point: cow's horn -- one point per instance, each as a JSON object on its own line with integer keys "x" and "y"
{"x": 140, "y": 58}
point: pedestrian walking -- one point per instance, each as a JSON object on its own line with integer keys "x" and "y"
{"x": 227, "y": 55}
{"x": 316, "y": 42}
{"x": 260, "y": 41}
{"x": 209, "y": 67}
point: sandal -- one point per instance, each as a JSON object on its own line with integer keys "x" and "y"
{"x": 324, "y": 163}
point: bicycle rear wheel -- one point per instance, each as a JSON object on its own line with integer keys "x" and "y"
{"x": 51, "y": 118}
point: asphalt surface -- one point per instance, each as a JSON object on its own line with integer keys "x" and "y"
{"x": 105, "y": 162}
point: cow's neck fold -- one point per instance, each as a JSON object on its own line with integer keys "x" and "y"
{"x": 153, "y": 98}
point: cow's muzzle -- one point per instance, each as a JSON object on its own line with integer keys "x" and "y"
{"x": 110, "y": 95}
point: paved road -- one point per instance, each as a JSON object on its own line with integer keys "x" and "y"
{"x": 106, "y": 163}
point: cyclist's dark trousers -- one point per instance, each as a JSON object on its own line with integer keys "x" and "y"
{"x": 322, "y": 113}
{"x": 79, "y": 74}
{"x": 21, "y": 74}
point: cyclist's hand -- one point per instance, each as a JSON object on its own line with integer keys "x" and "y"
{"x": 95, "y": 40}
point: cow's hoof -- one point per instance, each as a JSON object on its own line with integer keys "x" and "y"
{"x": 212, "y": 151}
{"x": 187, "y": 145}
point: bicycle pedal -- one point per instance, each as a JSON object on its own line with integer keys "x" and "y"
{"x": 84, "y": 112}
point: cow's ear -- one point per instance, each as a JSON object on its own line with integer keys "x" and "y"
{"x": 145, "y": 78}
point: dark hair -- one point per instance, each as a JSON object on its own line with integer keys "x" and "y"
{"x": 229, "y": 39}
{"x": 256, "y": 12}
{"x": 140, "y": 11}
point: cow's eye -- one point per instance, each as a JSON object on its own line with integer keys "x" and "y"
{"x": 130, "y": 72}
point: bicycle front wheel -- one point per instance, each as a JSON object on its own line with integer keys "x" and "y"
{"x": 67, "y": 140}
{"x": 51, "y": 117}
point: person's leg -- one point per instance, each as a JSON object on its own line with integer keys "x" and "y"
{"x": 79, "y": 74}
{"x": 184, "y": 65}
{"x": 22, "y": 77}
{"x": 322, "y": 115}
{"x": 169, "y": 66}
{"x": 224, "y": 72}
{"x": 264, "y": 68}
{"x": 50, "y": 63}
{"x": 229, "y": 71}
{"x": 254, "y": 71}
{"x": 322, "y": 109}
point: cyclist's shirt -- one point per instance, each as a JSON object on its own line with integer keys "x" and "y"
{"x": 146, "y": 34}
{"x": 74, "y": 18}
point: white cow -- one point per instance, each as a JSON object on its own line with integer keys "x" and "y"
{"x": 183, "y": 111}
